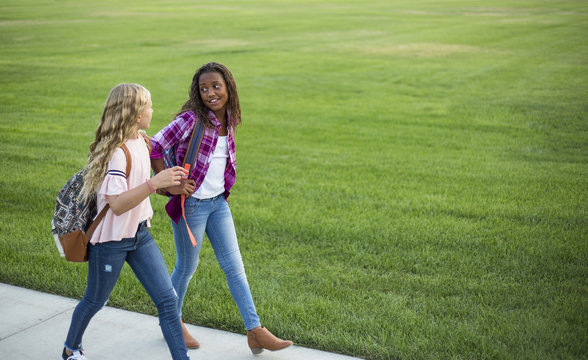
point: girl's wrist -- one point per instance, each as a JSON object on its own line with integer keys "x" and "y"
{"x": 151, "y": 188}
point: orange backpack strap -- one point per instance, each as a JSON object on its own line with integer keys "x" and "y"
{"x": 189, "y": 162}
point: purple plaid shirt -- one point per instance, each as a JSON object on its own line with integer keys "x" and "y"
{"x": 177, "y": 133}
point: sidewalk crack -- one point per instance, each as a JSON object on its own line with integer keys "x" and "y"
{"x": 37, "y": 323}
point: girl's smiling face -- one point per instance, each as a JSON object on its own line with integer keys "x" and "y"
{"x": 213, "y": 92}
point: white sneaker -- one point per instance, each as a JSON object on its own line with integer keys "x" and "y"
{"x": 77, "y": 355}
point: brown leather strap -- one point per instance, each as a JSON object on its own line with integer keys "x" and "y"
{"x": 125, "y": 149}
{"x": 100, "y": 216}
{"x": 97, "y": 221}
{"x": 147, "y": 141}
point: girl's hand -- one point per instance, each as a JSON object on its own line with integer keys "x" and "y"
{"x": 186, "y": 187}
{"x": 168, "y": 177}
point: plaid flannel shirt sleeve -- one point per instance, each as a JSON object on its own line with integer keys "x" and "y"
{"x": 172, "y": 134}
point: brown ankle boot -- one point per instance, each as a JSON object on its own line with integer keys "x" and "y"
{"x": 191, "y": 343}
{"x": 260, "y": 338}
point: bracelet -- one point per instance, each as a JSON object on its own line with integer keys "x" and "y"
{"x": 150, "y": 186}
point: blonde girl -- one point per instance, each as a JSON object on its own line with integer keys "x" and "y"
{"x": 123, "y": 234}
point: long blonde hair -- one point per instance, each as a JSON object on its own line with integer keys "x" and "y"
{"x": 119, "y": 123}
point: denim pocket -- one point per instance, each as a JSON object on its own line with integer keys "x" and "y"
{"x": 191, "y": 205}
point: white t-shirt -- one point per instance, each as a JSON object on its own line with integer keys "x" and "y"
{"x": 214, "y": 181}
{"x": 112, "y": 227}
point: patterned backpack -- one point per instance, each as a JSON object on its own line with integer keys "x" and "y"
{"x": 71, "y": 213}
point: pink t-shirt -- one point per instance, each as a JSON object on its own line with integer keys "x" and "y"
{"x": 112, "y": 227}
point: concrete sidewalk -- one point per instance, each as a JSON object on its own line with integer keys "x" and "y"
{"x": 33, "y": 325}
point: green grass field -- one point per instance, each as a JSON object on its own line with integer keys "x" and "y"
{"x": 412, "y": 175}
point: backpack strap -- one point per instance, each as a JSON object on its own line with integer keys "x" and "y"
{"x": 100, "y": 216}
{"x": 147, "y": 141}
{"x": 194, "y": 146}
{"x": 125, "y": 149}
{"x": 189, "y": 161}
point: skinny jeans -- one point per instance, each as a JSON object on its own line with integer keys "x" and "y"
{"x": 213, "y": 217}
{"x": 105, "y": 261}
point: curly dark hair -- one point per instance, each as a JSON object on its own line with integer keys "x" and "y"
{"x": 196, "y": 104}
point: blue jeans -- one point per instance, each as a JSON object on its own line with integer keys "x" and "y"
{"x": 212, "y": 216}
{"x": 105, "y": 261}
